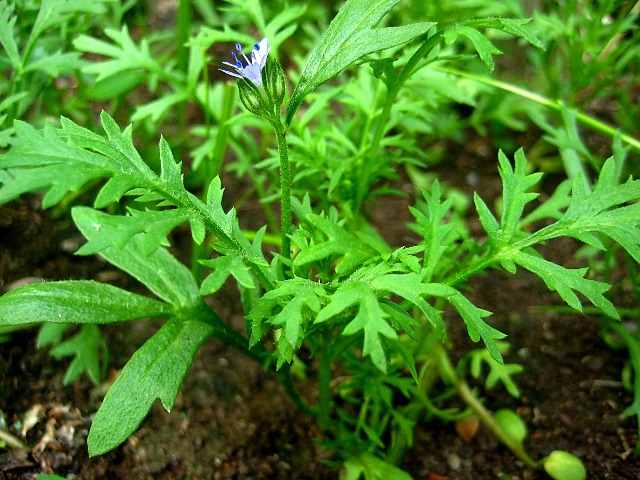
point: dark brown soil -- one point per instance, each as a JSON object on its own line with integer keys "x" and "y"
{"x": 233, "y": 421}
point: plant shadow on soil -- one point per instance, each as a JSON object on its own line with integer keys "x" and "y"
{"x": 233, "y": 421}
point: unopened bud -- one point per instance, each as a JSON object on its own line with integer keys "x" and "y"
{"x": 252, "y": 97}
{"x": 275, "y": 84}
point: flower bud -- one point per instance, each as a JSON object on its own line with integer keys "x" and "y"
{"x": 252, "y": 98}
{"x": 275, "y": 84}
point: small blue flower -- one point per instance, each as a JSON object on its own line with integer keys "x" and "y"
{"x": 253, "y": 70}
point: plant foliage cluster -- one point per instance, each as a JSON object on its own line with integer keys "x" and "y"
{"x": 373, "y": 93}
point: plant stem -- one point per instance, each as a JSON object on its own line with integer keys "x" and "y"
{"x": 406, "y": 72}
{"x": 284, "y": 375}
{"x": 229, "y": 336}
{"x": 220, "y": 146}
{"x": 449, "y": 375}
{"x": 239, "y": 342}
{"x": 11, "y": 440}
{"x": 183, "y": 29}
{"x": 285, "y": 188}
{"x": 214, "y": 167}
{"x": 324, "y": 389}
{"x": 557, "y": 105}
{"x": 633, "y": 347}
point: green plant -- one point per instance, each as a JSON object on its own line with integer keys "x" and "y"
{"x": 325, "y": 284}
{"x": 36, "y": 57}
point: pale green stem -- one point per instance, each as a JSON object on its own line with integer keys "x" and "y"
{"x": 183, "y": 29}
{"x": 557, "y": 105}
{"x": 11, "y": 440}
{"x": 220, "y": 145}
{"x": 266, "y": 239}
{"x": 450, "y": 376}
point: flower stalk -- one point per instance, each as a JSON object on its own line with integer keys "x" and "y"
{"x": 262, "y": 88}
{"x": 285, "y": 189}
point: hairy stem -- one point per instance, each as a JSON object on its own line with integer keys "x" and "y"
{"x": 285, "y": 188}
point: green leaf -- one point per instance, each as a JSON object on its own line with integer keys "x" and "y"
{"x": 65, "y": 159}
{"x": 124, "y": 54}
{"x": 156, "y": 109}
{"x": 498, "y": 372}
{"x": 85, "y": 348}
{"x": 512, "y": 26}
{"x": 512, "y": 425}
{"x": 553, "y": 207}
{"x": 117, "y": 146}
{"x": 122, "y": 158}
{"x": 284, "y": 24}
{"x": 347, "y": 294}
{"x": 339, "y": 243}
{"x": 10, "y": 100}
{"x": 473, "y": 318}
{"x": 410, "y": 287}
{"x": 370, "y": 319}
{"x": 7, "y": 39}
{"x": 248, "y": 8}
{"x": 56, "y": 64}
{"x": 561, "y": 465}
{"x": 515, "y": 195}
{"x": 118, "y": 85}
{"x": 222, "y": 268}
{"x": 114, "y": 189}
{"x": 296, "y": 302}
{"x": 600, "y": 211}
{"x": 53, "y": 13}
{"x": 295, "y": 315}
{"x": 117, "y": 230}
{"x": 160, "y": 271}
{"x": 487, "y": 220}
{"x": 349, "y": 37}
{"x": 372, "y": 468}
{"x": 45, "y": 159}
{"x": 155, "y": 371}
{"x": 483, "y": 46}
{"x": 51, "y": 333}
{"x": 567, "y": 281}
{"x": 575, "y": 155}
{"x": 610, "y": 209}
{"x": 438, "y": 233}
{"x": 76, "y": 301}
{"x": 42, "y": 159}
